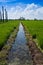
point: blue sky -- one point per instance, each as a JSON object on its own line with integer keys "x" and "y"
{"x": 13, "y": 2}
{"x": 31, "y": 8}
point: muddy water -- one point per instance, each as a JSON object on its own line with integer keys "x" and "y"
{"x": 19, "y": 53}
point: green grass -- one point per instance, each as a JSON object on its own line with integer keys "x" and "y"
{"x": 35, "y": 28}
{"x": 5, "y": 30}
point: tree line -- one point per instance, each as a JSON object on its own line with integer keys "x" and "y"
{"x": 3, "y": 15}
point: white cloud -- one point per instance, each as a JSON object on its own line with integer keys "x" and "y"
{"x": 31, "y": 11}
{"x": 7, "y": 0}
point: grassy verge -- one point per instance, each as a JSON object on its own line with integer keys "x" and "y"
{"x": 35, "y": 28}
{"x": 6, "y": 48}
{"x": 5, "y": 30}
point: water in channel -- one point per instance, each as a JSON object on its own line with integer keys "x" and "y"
{"x": 19, "y": 53}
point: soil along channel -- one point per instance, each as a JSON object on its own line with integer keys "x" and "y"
{"x": 19, "y": 53}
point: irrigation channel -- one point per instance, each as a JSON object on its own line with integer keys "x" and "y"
{"x": 19, "y": 53}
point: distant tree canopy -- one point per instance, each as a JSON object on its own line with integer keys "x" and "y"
{"x": 21, "y": 18}
{"x": 35, "y": 19}
{"x": 3, "y": 15}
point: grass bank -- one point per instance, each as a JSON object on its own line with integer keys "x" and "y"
{"x": 35, "y": 28}
{"x": 5, "y": 30}
{"x": 12, "y": 29}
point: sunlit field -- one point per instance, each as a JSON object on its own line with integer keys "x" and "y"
{"x": 5, "y": 30}
{"x": 35, "y": 28}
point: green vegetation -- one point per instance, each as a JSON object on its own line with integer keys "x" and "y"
{"x": 5, "y": 30}
{"x": 35, "y": 28}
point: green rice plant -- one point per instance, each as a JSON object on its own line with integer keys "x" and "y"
{"x": 5, "y": 30}
{"x": 35, "y": 28}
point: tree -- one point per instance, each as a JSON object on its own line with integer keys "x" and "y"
{"x": 6, "y": 16}
{"x": 0, "y": 16}
{"x": 2, "y": 13}
{"x": 21, "y": 18}
{"x": 35, "y": 19}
